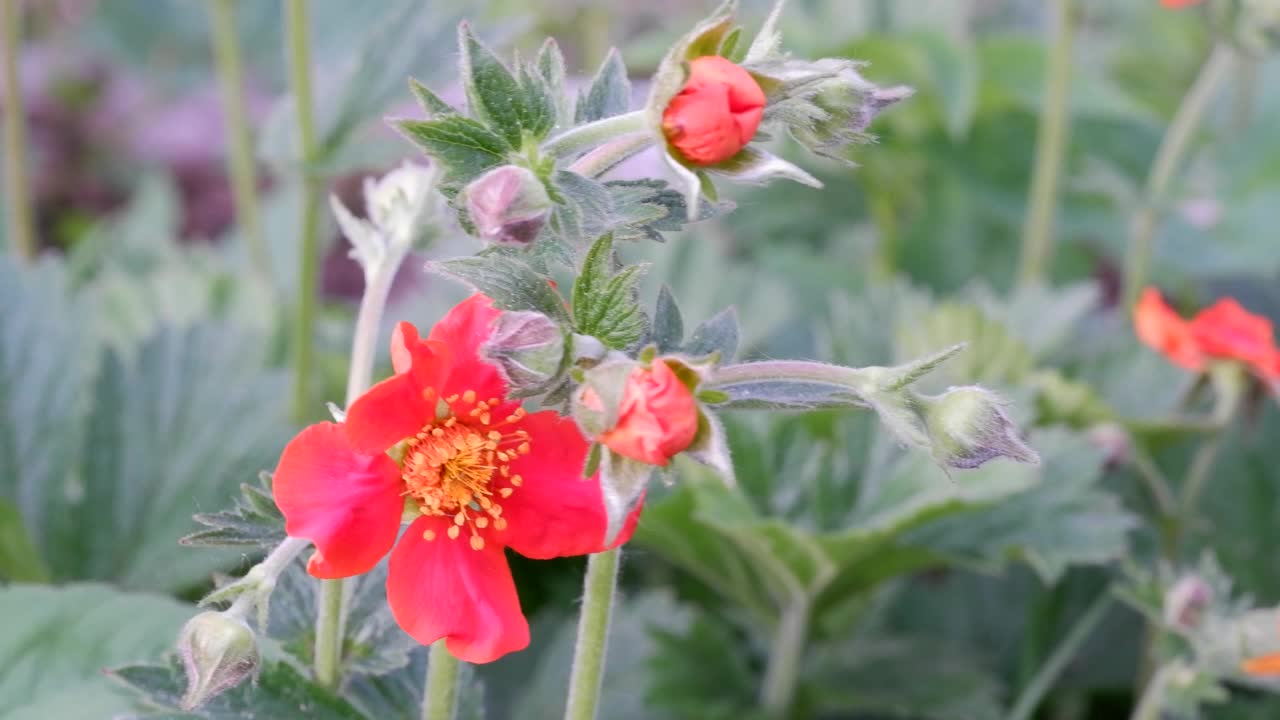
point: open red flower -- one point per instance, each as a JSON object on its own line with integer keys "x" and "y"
{"x": 1224, "y": 330}
{"x": 716, "y": 114}
{"x": 481, "y": 473}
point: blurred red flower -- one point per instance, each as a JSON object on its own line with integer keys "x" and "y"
{"x": 479, "y": 471}
{"x": 1224, "y": 330}
{"x": 1178, "y": 4}
{"x": 716, "y": 114}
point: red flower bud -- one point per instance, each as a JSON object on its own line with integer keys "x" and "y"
{"x": 657, "y": 417}
{"x": 716, "y": 114}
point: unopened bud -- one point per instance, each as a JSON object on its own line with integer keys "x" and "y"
{"x": 508, "y": 205}
{"x": 403, "y": 202}
{"x": 528, "y": 349}
{"x": 218, "y": 652}
{"x": 968, "y": 426}
{"x": 1185, "y": 603}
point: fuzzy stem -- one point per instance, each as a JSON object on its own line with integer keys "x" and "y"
{"x": 17, "y": 193}
{"x": 595, "y": 133}
{"x": 1152, "y": 701}
{"x": 309, "y": 253}
{"x": 1051, "y": 145}
{"x": 1031, "y": 696}
{"x": 329, "y": 631}
{"x": 593, "y": 635}
{"x": 240, "y": 163}
{"x": 1173, "y": 148}
{"x": 608, "y": 156}
{"x": 440, "y": 700}
{"x": 783, "y": 671}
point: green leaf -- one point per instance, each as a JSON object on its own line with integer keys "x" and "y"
{"x": 464, "y": 147}
{"x": 609, "y": 93}
{"x": 511, "y": 106}
{"x": 721, "y": 334}
{"x": 398, "y": 694}
{"x": 955, "y": 72}
{"x": 606, "y": 305}
{"x": 429, "y": 101}
{"x": 279, "y": 692}
{"x": 668, "y": 325}
{"x": 19, "y": 559}
{"x": 550, "y": 64}
{"x": 510, "y": 283}
{"x": 58, "y": 641}
{"x": 253, "y": 520}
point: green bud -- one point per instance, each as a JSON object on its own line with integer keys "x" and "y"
{"x": 218, "y": 651}
{"x": 968, "y": 426}
{"x": 508, "y": 205}
{"x": 528, "y": 349}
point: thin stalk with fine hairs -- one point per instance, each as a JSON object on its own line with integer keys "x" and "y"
{"x": 1173, "y": 148}
{"x": 240, "y": 163}
{"x": 297, "y": 30}
{"x": 608, "y": 156}
{"x": 1051, "y": 145}
{"x": 785, "y": 654}
{"x": 17, "y": 195}
{"x": 599, "y": 589}
{"x": 440, "y": 699}
{"x": 595, "y": 133}
{"x": 1031, "y": 696}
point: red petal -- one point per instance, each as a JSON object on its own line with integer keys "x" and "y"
{"x": 402, "y": 404}
{"x": 346, "y": 502}
{"x": 463, "y": 330}
{"x": 1226, "y": 329}
{"x": 442, "y": 588}
{"x": 1164, "y": 330}
{"x": 403, "y": 339}
{"x": 555, "y": 512}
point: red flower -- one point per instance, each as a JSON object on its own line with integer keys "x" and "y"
{"x": 482, "y": 472}
{"x": 1225, "y": 330}
{"x": 657, "y": 417}
{"x": 716, "y": 113}
{"x": 1178, "y": 4}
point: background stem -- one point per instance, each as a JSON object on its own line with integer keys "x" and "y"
{"x": 783, "y": 671}
{"x": 1051, "y": 145}
{"x": 17, "y": 194}
{"x": 593, "y": 635}
{"x": 440, "y": 700}
{"x": 1042, "y": 682}
{"x": 240, "y": 163}
{"x": 1177, "y": 139}
{"x": 297, "y": 30}
{"x": 329, "y": 632}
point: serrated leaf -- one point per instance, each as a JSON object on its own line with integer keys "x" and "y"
{"x": 280, "y": 691}
{"x": 667, "y": 331}
{"x": 252, "y": 520}
{"x": 721, "y": 334}
{"x": 57, "y": 643}
{"x": 509, "y": 105}
{"x": 550, "y": 64}
{"x": 606, "y": 305}
{"x": 608, "y": 94}
{"x": 429, "y": 101}
{"x": 398, "y": 694}
{"x": 464, "y": 147}
{"x": 511, "y": 284}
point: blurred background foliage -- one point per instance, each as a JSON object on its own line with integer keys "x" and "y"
{"x": 143, "y": 358}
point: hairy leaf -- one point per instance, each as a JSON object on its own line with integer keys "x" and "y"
{"x": 510, "y": 283}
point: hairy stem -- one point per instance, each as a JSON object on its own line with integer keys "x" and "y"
{"x": 608, "y": 156}
{"x": 783, "y": 671}
{"x": 1173, "y": 148}
{"x": 593, "y": 635}
{"x": 440, "y": 700}
{"x": 17, "y": 194}
{"x": 1051, "y": 145}
{"x": 309, "y": 253}
{"x": 240, "y": 163}
{"x": 329, "y": 632}
{"x": 595, "y": 133}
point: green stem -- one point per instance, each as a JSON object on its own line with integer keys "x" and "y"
{"x": 240, "y": 163}
{"x": 1044, "y": 679}
{"x": 596, "y": 133}
{"x": 885, "y": 217}
{"x": 606, "y": 157}
{"x": 1051, "y": 145}
{"x": 309, "y": 253}
{"x": 1173, "y": 148}
{"x": 783, "y": 671}
{"x": 440, "y": 700}
{"x": 1152, "y": 701}
{"x": 329, "y": 632}
{"x": 17, "y": 193}
{"x": 593, "y": 635}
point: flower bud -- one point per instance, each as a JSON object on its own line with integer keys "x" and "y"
{"x": 1186, "y": 602}
{"x": 218, "y": 652}
{"x": 968, "y": 426}
{"x": 657, "y": 416}
{"x": 716, "y": 114}
{"x": 402, "y": 202}
{"x": 842, "y": 111}
{"x": 529, "y": 350}
{"x": 508, "y": 205}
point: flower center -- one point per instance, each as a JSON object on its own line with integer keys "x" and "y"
{"x": 460, "y": 467}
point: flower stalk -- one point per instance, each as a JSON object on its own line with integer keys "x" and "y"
{"x": 600, "y": 588}
{"x": 17, "y": 193}
{"x": 1173, "y": 148}
{"x": 783, "y": 671}
{"x": 240, "y": 163}
{"x": 1051, "y": 145}
{"x": 440, "y": 700}
{"x": 596, "y": 133}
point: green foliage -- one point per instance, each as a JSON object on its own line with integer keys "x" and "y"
{"x": 58, "y": 642}
{"x": 465, "y": 148}
{"x": 253, "y": 520}
{"x": 606, "y": 304}
{"x": 510, "y": 283}
{"x": 608, "y": 94}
